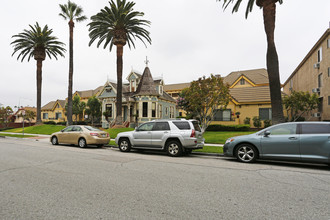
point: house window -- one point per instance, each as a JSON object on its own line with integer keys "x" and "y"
{"x": 320, "y": 107}
{"x": 319, "y": 55}
{"x": 328, "y": 43}
{"x": 328, "y": 71}
{"x": 319, "y": 80}
{"x": 265, "y": 113}
{"x": 153, "y": 110}
{"x": 242, "y": 81}
{"x": 133, "y": 85}
{"x": 222, "y": 115}
{"x": 57, "y": 106}
{"x": 171, "y": 112}
{"x": 145, "y": 109}
{"x": 45, "y": 115}
{"x": 291, "y": 83}
{"x": 58, "y": 115}
{"x": 328, "y": 100}
{"x": 166, "y": 111}
{"x": 108, "y": 108}
{"x": 160, "y": 111}
{"x": 161, "y": 89}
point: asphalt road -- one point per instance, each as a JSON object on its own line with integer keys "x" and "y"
{"x": 41, "y": 181}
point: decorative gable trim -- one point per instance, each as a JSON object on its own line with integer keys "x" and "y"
{"x": 239, "y": 79}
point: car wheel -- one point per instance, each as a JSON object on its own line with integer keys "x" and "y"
{"x": 54, "y": 140}
{"x": 174, "y": 149}
{"x": 82, "y": 143}
{"x": 246, "y": 153}
{"x": 124, "y": 145}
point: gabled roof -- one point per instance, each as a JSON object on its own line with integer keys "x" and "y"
{"x": 48, "y": 106}
{"x": 89, "y": 93}
{"x": 178, "y": 86}
{"x": 256, "y": 76}
{"x": 146, "y": 85}
{"x": 250, "y": 94}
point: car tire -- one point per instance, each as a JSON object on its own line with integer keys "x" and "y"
{"x": 82, "y": 142}
{"x": 246, "y": 153}
{"x": 174, "y": 148}
{"x": 54, "y": 140}
{"x": 124, "y": 145}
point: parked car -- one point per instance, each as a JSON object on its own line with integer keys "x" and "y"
{"x": 174, "y": 136}
{"x": 294, "y": 141}
{"x": 82, "y": 135}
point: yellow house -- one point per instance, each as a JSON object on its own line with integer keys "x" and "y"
{"x": 250, "y": 97}
{"x": 19, "y": 115}
{"x": 54, "y": 111}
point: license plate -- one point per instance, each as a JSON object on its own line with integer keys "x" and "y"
{"x": 104, "y": 135}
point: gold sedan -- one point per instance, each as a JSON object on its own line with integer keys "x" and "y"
{"x": 82, "y": 135}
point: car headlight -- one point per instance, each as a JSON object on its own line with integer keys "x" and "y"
{"x": 229, "y": 140}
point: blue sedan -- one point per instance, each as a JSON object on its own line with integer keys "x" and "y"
{"x": 292, "y": 141}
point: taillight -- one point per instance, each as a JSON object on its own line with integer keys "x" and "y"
{"x": 94, "y": 134}
{"x": 193, "y": 133}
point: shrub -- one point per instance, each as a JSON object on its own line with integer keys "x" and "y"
{"x": 61, "y": 123}
{"x": 80, "y": 123}
{"x": 50, "y": 122}
{"x": 228, "y": 128}
{"x": 247, "y": 120}
{"x": 267, "y": 123}
{"x": 256, "y": 122}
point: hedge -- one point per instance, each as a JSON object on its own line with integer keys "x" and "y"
{"x": 228, "y": 128}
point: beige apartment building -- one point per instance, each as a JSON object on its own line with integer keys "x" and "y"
{"x": 313, "y": 75}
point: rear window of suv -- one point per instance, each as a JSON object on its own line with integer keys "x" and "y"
{"x": 315, "y": 128}
{"x": 196, "y": 126}
{"x": 182, "y": 125}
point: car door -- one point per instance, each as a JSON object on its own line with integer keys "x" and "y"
{"x": 282, "y": 143}
{"x": 160, "y": 132}
{"x": 64, "y": 135}
{"x": 142, "y": 135}
{"x": 315, "y": 142}
{"x": 74, "y": 135}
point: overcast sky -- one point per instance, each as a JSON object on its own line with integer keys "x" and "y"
{"x": 190, "y": 38}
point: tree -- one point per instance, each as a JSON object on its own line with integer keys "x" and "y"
{"x": 29, "y": 115}
{"x": 299, "y": 103}
{"x": 93, "y": 108}
{"x": 204, "y": 97}
{"x": 118, "y": 25}
{"x": 78, "y": 107}
{"x": 71, "y": 12}
{"x": 269, "y": 11}
{"x": 37, "y": 42}
{"x": 5, "y": 113}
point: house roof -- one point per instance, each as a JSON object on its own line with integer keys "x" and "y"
{"x": 146, "y": 85}
{"x": 251, "y": 94}
{"x": 178, "y": 86}
{"x": 48, "y": 106}
{"x": 257, "y": 76}
{"x": 89, "y": 93}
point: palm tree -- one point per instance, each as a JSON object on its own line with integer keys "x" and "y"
{"x": 71, "y": 12}
{"x": 269, "y": 11}
{"x": 118, "y": 25}
{"x": 37, "y": 42}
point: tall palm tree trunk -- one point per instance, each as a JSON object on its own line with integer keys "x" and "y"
{"x": 119, "y": 119}
{"x": 269, "y": 11}
{"x": 39, "y": 81}
{"x": 69, "y": 115}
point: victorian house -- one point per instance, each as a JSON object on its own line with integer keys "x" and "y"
{"x": 144, "y": 99}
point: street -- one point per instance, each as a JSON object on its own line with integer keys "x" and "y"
{"x": 42, "y": 181}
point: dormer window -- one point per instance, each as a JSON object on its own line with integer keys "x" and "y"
{"x": 108, "y": 89}
{"x": 161, "y": 89}
{"x": 133, "y": 85}
{"x": 242, "y": 81}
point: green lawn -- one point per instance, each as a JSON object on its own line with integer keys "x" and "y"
{"x": 16, "y": 135}
{"x": 114, "y": 131}
{"x": 38, "y": 129}
{"x": 220, "y": 137}
{"x": 210, "y": 149}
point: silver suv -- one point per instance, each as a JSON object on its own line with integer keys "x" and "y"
{"x": 175, "y": 136}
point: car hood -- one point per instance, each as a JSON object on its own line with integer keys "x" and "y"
{"x": 125, "y": 133}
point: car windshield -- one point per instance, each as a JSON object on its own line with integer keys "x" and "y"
{"x": 90, "y": 128}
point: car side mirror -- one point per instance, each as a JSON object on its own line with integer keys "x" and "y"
{"x": 62, "y": 130}
{"x": 136, "y": 129}
{"x": 267, "y": 133}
